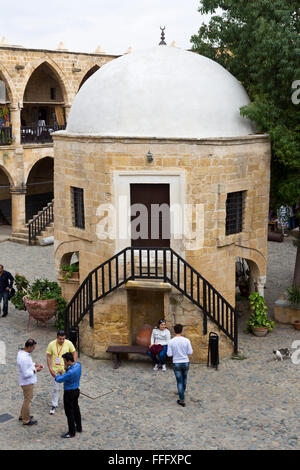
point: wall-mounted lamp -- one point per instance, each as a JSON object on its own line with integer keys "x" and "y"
{"x": 149, "y": 157}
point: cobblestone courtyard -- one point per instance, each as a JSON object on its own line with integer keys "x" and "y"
{"x": 247, "y": 404}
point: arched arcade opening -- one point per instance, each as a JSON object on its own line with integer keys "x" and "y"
{"x": 43, "y": 105}
{"x": 5, "y": 199}
{"x": 40, "y": 189}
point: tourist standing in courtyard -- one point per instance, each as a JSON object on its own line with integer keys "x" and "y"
{"x": 6, "y": 283}
{"x": 71, "y": 381}
{"x": 55, "y": 351}
{"x": 27, "y": 374}
{"x": 180, "y": 348}
{"x": 159, "y": 344}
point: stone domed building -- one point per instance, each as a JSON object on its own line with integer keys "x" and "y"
{"x": 159, "y": 130}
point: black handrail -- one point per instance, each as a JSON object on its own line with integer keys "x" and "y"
{"x": 171, "y": 268}
{"x": 40, "y": 222}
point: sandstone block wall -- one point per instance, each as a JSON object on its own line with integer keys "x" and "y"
{"x": 209, "y": 170}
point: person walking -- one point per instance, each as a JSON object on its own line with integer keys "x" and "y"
{"x": 180, "y": 348}
{"x": 55, "y": 351}
{"x": 6, "y": 283}
{"x": 71, "y": 381}
{"x": 159, "y": 343}
{"x": 27, "y": 375}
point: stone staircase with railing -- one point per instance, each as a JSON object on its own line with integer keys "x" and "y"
{"x": 21, "y": 235}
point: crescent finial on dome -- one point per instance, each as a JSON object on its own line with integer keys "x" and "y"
{"x": 162, "y": 42}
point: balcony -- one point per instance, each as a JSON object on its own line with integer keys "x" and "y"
{"x": 38, "y": 134}
{"x": 6, "y": 135}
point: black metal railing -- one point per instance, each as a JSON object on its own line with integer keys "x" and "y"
{"x": 152, "y": 263}
{"x": 6, "y": 135}
{"x": 40, "y": 222}
{"x": 38, "y": 134}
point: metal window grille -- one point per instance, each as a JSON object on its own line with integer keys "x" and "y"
{"x": 78, "y": 207}
{"x": 234, "y": 212}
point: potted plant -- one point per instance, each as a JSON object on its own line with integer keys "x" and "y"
{"x": 293, "y": 295}
{"x": 42, "y": 299}
{"x": 259, "y": 323}
{"x": 70, "y": 271}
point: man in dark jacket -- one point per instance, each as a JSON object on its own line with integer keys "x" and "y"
{"x": 6, "y": 283}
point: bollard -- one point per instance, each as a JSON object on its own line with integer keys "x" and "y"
{"x": 213, "y": 350}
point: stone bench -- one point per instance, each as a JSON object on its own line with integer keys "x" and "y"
{"x": 119, "y": 349}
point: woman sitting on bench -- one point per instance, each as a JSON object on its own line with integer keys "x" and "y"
{"x": 159, "y": 345}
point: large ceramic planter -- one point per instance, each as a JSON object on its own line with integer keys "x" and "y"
{"x": 40, "y": 310}
{"x": 260, "y": 331}
{"x": 143, "y": 338}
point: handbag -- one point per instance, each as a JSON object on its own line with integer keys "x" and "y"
{"x": 156, "y": 349}
{"x": 11, "y": 293}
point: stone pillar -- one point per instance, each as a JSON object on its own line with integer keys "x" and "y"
{"x": 260, "y": 285}
{"x": 15, "y": 117}
{"x": 67, "y": 108}
{"x": 18, "y": 207}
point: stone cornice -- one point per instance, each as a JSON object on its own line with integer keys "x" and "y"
{"x": 49, "y": 51}
{"x": 250, "y": 139}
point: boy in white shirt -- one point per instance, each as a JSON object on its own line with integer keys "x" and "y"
{"x": 180, "y": 348}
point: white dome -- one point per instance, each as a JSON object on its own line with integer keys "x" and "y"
{"x": 163, "y": 92}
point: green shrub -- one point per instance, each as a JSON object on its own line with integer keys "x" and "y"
{"x": 294, "y": 295}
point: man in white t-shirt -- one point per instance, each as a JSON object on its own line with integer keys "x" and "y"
{"x": 180, "y": 348}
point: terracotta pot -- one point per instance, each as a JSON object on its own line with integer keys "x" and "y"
{"x": 260, "y": 331}
{"x": 296, "y": 325}
{"x": 41, "y": 310}
{"x": 74, "y": 275}
{"x": 143, "y": 338}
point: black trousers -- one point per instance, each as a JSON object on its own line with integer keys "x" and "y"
{"x": 72, "y": 410}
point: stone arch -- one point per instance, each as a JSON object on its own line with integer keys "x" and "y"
{"x": 40, "y": 186}
{"x": 9, "y": 177}
{"x": 88, "y": 73}
{"x": 62, "y": 80}
{"x": 258, "y": 266}
{"x": 11, "y": 91}
{"x": 259, "y": 262}
{"x": 63, "y": 250}
{"x": 37, "y": 158}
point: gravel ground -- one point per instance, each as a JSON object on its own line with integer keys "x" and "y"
{"x": 245, "y": 404}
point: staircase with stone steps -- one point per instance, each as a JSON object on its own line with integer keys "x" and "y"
{"x": 21, "y": 236}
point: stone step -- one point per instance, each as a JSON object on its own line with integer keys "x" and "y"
{"x": 17, "y": 239}
{"x": 20, "y": 235}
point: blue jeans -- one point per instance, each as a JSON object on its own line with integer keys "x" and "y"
{"x": 161, "y": 355}
{"x": 181, "y": 371}
{"x": 4, "y": 296}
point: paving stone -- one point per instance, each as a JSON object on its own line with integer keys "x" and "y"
{"x": 247, "y": 404}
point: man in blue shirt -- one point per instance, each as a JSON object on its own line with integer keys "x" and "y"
{"x": 6, "y": 283}
{"x": 71, "y": 380}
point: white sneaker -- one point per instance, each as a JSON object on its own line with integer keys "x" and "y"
{"x": 164, "y": 367}
{"x": 156, "y": 367}
{"x": 52, "y": 411}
